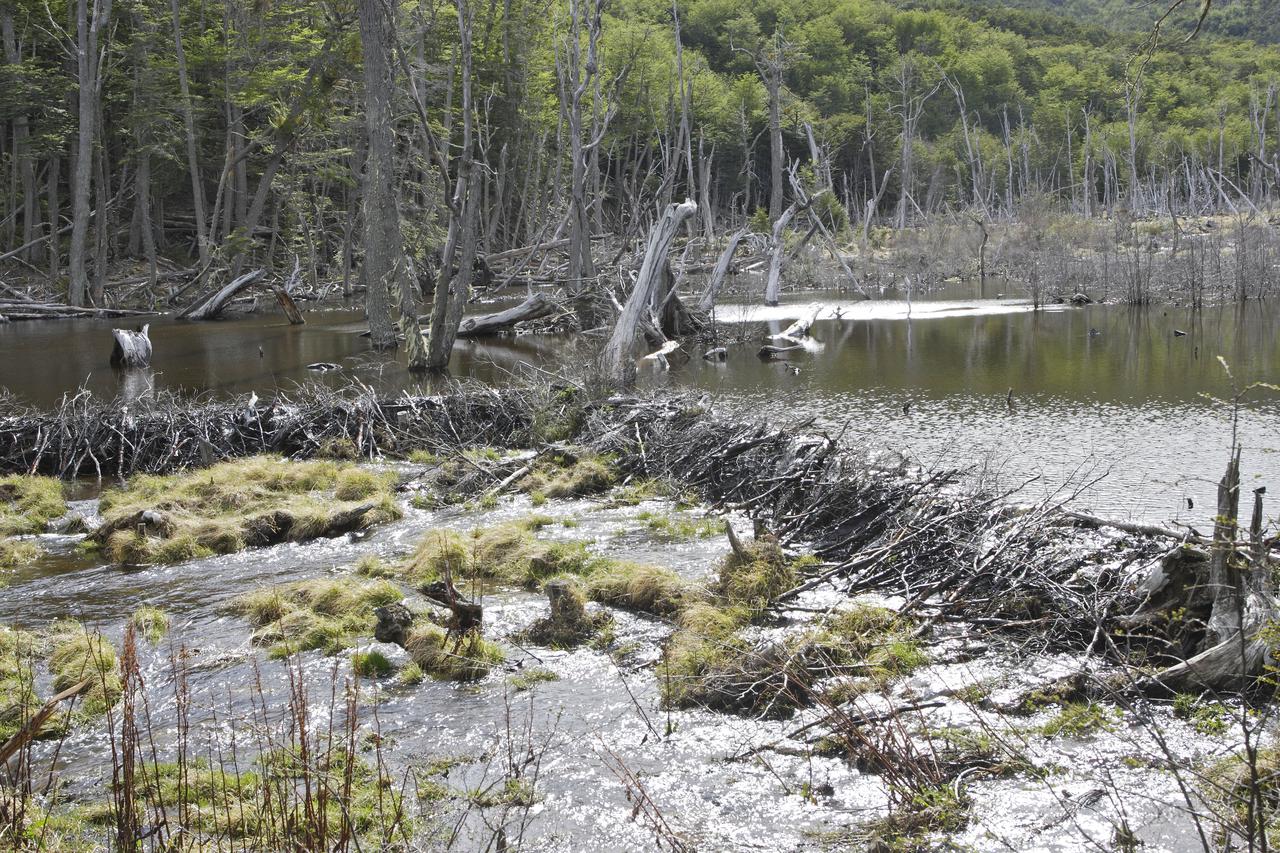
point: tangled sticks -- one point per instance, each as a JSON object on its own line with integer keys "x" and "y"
{"x": 951, "y": 553}
{"x": 87, "y": 436}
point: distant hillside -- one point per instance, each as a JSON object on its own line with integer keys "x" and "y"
{"x": 1258, "y": 20}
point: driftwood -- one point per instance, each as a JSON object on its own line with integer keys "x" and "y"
{"x": 618, "y": 359}
{"x": 772, "y": 350}
{"x": 131, "y": 348}
{"x": 23, "y": 309}
{"x": 208, "y": 307}
{"x": 535, "y": 307}
{"x": 28, "y": 732}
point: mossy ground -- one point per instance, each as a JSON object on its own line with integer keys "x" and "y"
{"x": 1230, "y": 786}
{"x": 328, "y": 614}
{"x": 757, "y": 576}
{"x": 637, "y": 586}
{"x": 233, "y": 505}
{"x": 570, "y": 475}
{"x": 151, "y": 622}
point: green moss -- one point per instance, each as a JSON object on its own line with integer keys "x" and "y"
{"x": 931, "y": 810}
{"x": 233, "y": 505}
{"x": 511, "y": 792}
{"x": 447, "y": 659}
{"x": 371, "y": 664}
{"x": 1208, "y": 718}
{"x": 151, "y": 622}
{"x": 757, "y": 576}
{"x": 77, "y": 654}
{"x": 28, "y": 504}
{"x": 636, "y": 586}
{"x": 525, "y": 679}
{"x": 875, "y": 641}
{"x": 423, "y": 457}
{"x": 1230, "y": 786}
{"x": 328, "y": 614}
{"x": 1079, "y": 719}
{"x": 373, "y": 566}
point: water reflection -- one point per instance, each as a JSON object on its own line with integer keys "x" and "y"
{"x": 1096, "y": 389}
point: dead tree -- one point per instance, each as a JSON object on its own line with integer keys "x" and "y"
{"x": 131, "y": 348}
{"x": 721, "y": 270}
{"x": 777, "y": 249}
{"x": 535, "y": 307}
{"x": 209, "y": 307}
{"x": 618, "y": 358}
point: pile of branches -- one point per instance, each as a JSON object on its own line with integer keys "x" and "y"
{"x": 952, "y": 553}
{"x": 89, "y": 436}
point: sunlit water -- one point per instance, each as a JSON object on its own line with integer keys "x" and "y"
{"x": 1106, "y": 400}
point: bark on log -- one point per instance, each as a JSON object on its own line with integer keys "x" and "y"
{"x": 721, "y": 270}
{"x": 289, "y": 307}
{"x": 674, "y": 317}
{"x": 618, "y": 360}
{"x": 130, "y": 348}
{"x": 535, "y": 307}
{"x": 209, "y": 307}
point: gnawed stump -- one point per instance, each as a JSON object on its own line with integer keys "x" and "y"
{"x": 568, "y": 623}
{"x": 131, "y": 348}
{"x": 467, "y": 615}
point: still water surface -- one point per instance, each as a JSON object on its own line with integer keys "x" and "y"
{"x": 1103, "y": 397}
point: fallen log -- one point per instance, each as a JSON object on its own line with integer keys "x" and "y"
{"x": 772, "y": 351}
{"x": 210, "y": 306}
{"x": 131, "y": 348}
{"x": 535, "y": 307}
{"x": 32, "y": 728}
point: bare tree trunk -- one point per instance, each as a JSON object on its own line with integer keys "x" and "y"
{"x": 54, "y": 213}
{"x": 777, "y": 250}
{"x": 21, "y": 151}
{"x": 385, "y": 264}
{"x": 721, "y": 271}
{"x": 618, "y": 359}
{"x": 87, "y": 27}
{"x": 189, "y": 125}
{"x": 773, "y": 85}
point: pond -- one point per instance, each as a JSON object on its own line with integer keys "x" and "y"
{"x": 1111, "y": 402}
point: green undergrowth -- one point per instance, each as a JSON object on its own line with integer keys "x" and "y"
{"x": 325, "y": 614}
{"x": 263, "y": 804}
{"x": 1207, "y": 717}
{"x": 930, "y": 811}
{"x": 238, "y": 504}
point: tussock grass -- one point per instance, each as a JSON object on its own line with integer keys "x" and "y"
{"x": 563, "y": 476}
{"x": 75, "y": 654}
{"x": 636, "y": 586}
{"x": 234, "y": 505}
{"x": 451, "y": 659}
{"x": 326, "y": 614}
{"x": 27, "y": 504}
{"x": 506, "y": 553}
{"x": 17, "y": 552}
{"x": 757, "y": 576}
{"x": 18, "y": 700}
{"x": 151, "y": 622}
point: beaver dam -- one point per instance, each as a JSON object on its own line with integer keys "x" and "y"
{"x": 546, "y": 619}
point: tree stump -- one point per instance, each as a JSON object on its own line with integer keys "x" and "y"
{"x": 131, "y": 348}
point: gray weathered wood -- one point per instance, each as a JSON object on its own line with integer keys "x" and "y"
{"x": 131, "y": 348}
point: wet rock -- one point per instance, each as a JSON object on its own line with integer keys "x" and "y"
{"x": 394, "y": 653}
{"x": 394, "y": 622}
